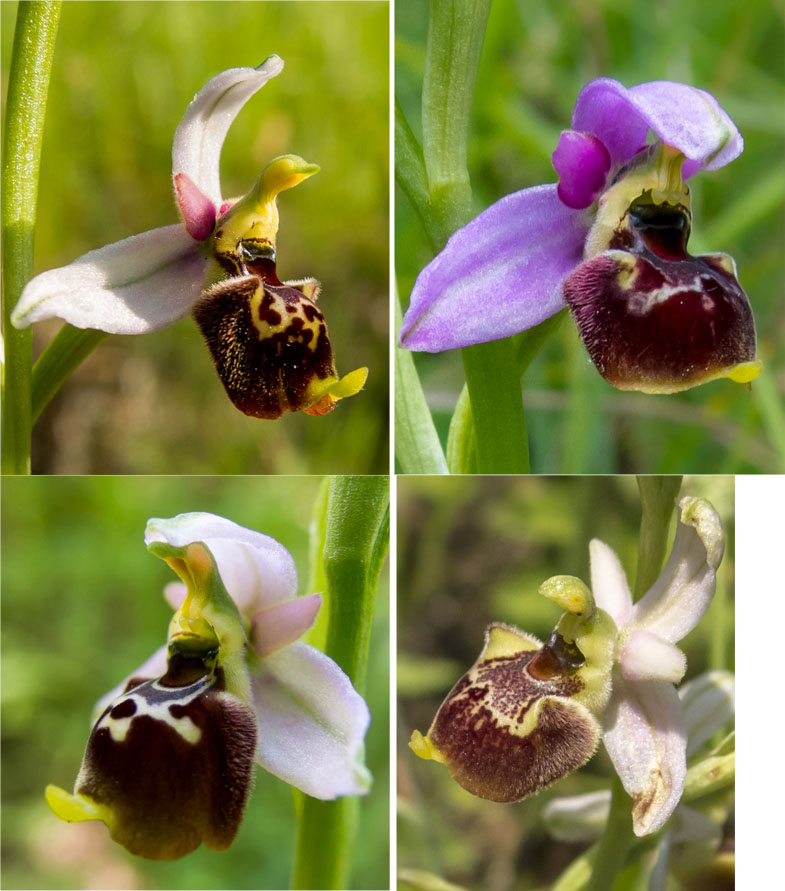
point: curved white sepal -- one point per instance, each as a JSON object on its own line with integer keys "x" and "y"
{"x": 256, "y": 570}
{"x": 676, "y": 602}
{"x": 196, "y": 150}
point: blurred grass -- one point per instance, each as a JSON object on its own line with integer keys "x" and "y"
{"x": 537, "y": 56}
{"x": 82, "y": 608}
{"x": 475, "y": 550}
{"x": 123, "y": 75}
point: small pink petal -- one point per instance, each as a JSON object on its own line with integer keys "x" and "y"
{"x": 582, "y": 162}
{"x": 174, "y": 593}
{"x": 197, "y": 210}
{"x": 278, "y": 626}
{"x": 646, "y": 657}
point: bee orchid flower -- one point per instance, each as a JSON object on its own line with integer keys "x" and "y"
{"x": 169, "y": 762}
{"x": 268, "y": 339}
{"x": 609, "y": 241}
{"x": 527, "y": 713}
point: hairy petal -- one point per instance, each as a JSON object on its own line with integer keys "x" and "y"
{"x": 200, "y": 135}
{"x": 676, "y": 602}
{"x": 312, "y": 723}
{"x": 609, "y": 582}
{"x": 134, "y": 286}
{"x": 277, "y": 626}
{"x": 683, "y": 116}
{"x": 256, "y": 570}
{"x": 646, "y": 740}
{"x": 498, "y": 275}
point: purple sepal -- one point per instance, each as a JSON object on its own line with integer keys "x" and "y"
{"x": 582, "y": 162}
{"x": 498, "y": 275}
{"x": 685, "y": 117}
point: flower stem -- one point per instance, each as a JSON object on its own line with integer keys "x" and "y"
{"x": 66, "y": 352}
{"x": 455, "y": 35}
{"x": 658, "y": 496}
{"x": 494, "y": 384}
{"x": 28, "y": 85}
{"x": 616, "y": 840}
{"x": 417, "y": 445}
{"x": 356, "y": 538}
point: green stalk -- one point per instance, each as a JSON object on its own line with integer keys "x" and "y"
{"x": 615, "y": 843}
{"x": 417, "y": 445}
{"x": 28, "y": 85}
{"x": 66, "y": 352}
{"x": 455, "y": 34}
{"x": 356, "y": 539}
{"x": 494, "y": 385}
{"x": 456, "y": 29}
{"x": 461, "y": 440}
{"x": 658, "y": 497}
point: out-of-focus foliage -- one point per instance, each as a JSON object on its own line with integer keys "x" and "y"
{"x": 82, "y": 608}
{"x": 537, "y": 56}
{"x": 122, "y": 77}
{"x": 475, "y": 550}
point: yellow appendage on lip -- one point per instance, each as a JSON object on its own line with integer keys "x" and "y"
{"x": 75, "y": 808}
{"x": 424, "y": 748}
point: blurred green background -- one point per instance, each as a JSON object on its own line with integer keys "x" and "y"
{"x": 82, "y": 608}
{"x": 475, "y": 550}
{"x": 537, "y": 56}
{"x": 123, "y": 74}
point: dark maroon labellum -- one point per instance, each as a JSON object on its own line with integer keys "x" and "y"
{"x": 653, "y": 317}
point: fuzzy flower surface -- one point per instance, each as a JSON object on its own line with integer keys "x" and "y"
{"x": 268, "y": 339}
{"x": 609, "y": 241}
{"x": 169, "y": 761}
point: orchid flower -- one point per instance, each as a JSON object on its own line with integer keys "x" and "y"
{"x": 267, "y": 338}
{"x": 528, "y": 713}
{"x": 609, "y": 241}
{"x": 644, "y": 729}
{"x": 169, "y": 761}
